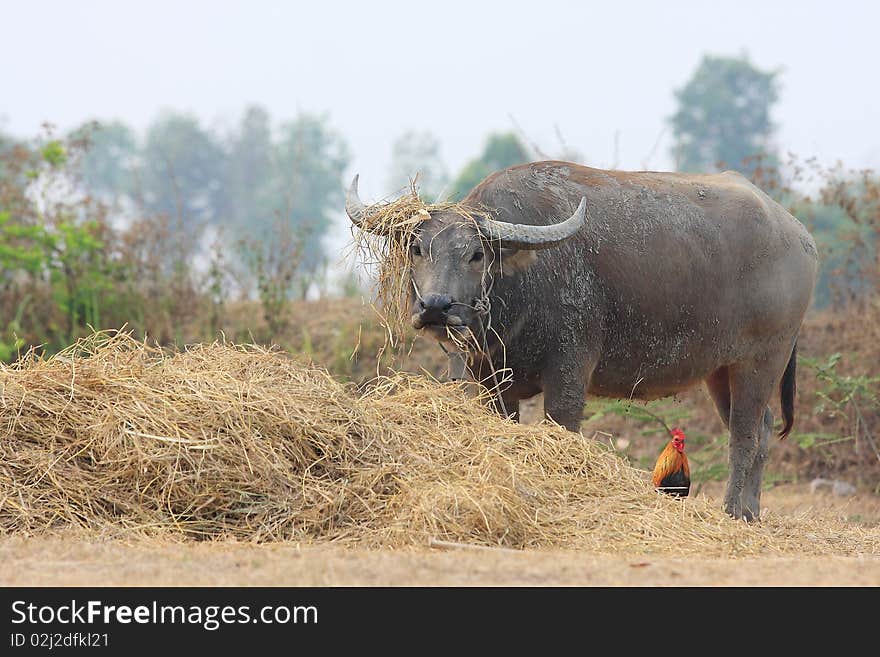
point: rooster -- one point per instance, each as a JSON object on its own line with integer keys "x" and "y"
{"x": 672, "y": 474}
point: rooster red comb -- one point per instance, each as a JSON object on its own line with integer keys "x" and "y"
{"x": 678, "y": 433}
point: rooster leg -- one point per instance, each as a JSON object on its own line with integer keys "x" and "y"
{"x": 751, "y": 495}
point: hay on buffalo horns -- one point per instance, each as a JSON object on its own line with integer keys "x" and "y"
{"x": 384, "y": 244}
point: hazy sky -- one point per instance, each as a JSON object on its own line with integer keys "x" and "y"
{"x": 458, "y": 69}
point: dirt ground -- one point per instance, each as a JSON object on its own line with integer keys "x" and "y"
{"x": 60, "y": 561}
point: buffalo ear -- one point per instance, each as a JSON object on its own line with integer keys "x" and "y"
{"x": 513, "y": 260}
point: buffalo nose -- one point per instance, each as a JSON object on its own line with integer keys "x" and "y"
{"x": 433, "y": 308}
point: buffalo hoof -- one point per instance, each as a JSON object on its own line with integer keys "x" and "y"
{"x": 751, "y": 516}
{"x": 736, "y": 510}
{"x": 733, "y": 507}
{"x": 751, "y": 509}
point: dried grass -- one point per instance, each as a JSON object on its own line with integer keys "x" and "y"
{"x": 222, "y": 441}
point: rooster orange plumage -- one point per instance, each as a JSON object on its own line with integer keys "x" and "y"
{"x": 672, "y": 474}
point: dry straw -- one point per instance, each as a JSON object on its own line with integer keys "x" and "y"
{"x": 222, "y": 441}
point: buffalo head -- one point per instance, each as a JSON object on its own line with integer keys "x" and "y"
{"x": 454, "y": 258}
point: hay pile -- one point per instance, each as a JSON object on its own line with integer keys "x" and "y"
{"x": 238, "y": 442}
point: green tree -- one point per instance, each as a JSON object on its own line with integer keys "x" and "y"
{"x": 6, "y": 143}
{"x": 307, "y": 186}
{"x": 80, "y": 272}
{"x": 249, "y": 173}
{"x": 418, "y": 154}
{"x": 182, "y": 170}
{"x": 501, "y": 151}
{"x": 109, "y": 162}
{"x": 55, "y": 265}
{"x": 723, "y": 117}
{"x": 19, "y": 166}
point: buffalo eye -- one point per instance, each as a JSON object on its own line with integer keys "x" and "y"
{"x": 477, "y": 257}
{"x": 417, "y": 250}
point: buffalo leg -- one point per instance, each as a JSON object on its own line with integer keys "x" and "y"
{"x": 751, "y": 385}
{"x": 751, "y": 496}
{"x": 718, "y": 385}
{"x": 564, "y": 394}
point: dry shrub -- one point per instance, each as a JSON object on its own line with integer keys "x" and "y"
{"x": 344, "y": 336}
{"x": 223, "y": 441}
{"x": 853, "y": 332}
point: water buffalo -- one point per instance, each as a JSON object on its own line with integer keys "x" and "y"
{"x": 625, "y": 284}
